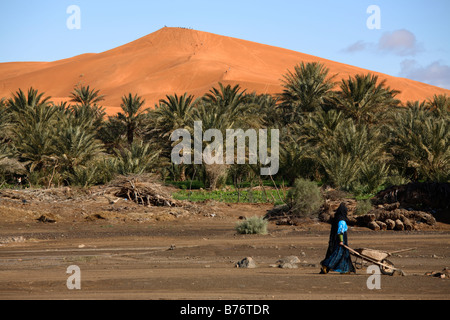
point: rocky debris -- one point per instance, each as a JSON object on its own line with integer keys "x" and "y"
{"x": 149, "y": 192}
{"x": 422, "y": 197}
{"x": 278, "y": 213}
{"x": 289, "y": 262}
{"x": 399, "y": 272}
{"x": 26, "y": 196}
{"x": 281, "y": 216}
{"x": 381, "y": 225}
{"x": 10, "y": 194}
{"x": 47, "y": 218}
{"x": 383, "y": 213}
{"x": 13, "y": 239}
{"x": 399, "y": 226}
{"x": 400, "y": 208}
{"x": 95, "y": 217}
{"x": 392, "y": 217}
{"x": 287, "y": 265}
{"x": 373, "y": 225}
{"x": 247, "y": 262}
{"x": 127, "y": 198}
{"x": 144, "y": 192}
{"x": 178, "y": 212}
{"x": 444, "y": 274}
{"x": 433, "y": 195}
{"x": 289, "y": 259}
{"x": 390, "y": 224}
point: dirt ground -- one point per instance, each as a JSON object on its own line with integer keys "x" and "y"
{"x": 127, "y": 251}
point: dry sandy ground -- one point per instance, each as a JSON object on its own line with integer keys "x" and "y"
{"x": 193, "y": 257}
{"x": 174, "y": 60}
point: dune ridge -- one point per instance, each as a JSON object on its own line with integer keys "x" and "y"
{"x": 177, "y": 60}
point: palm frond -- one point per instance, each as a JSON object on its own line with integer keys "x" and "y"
{"x": 86, "y": 96}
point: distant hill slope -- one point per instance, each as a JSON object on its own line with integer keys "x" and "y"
{"x": 176, "y": 60}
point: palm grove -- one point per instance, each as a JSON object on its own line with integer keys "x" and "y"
{"x": 353, "y": 135}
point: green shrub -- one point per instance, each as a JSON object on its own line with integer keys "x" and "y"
{"x": 95, "y": 173}
{"x": 363, "y": 207}
{"x": 253, "y": 225}
{"x": 83, "y": 177}
{"x": 305, "y": 198}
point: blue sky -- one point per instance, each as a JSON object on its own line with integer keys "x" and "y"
{"x": 413, "y": 41}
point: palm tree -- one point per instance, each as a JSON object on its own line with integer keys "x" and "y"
{"x": 21, "y": 101}
{"x": 33, "y": 136}
{"x": 302, "y": 142}
{"x": 9, "y": 164}
{"x": 319, "y": 126}
{"x": 32, "y": 129}
{"x": 341, "y": 169}
{"x": 90, "y": 115}
{"x": 293, "y": 160}
{"x": 132, "y": 115}
{"x": 75, "y": 146}
{"x": 4, "y": 119}
{"x": 222, "y": 108}
{"x": 139, "y": 158}
{"x": 347, "y": 153}
{"x": 112, "y": 133}
{"x": 174, "y": 112}
{"x": 266, "y": 107}
{"x": 305, "y": 90}
{"x": 4, "y": 151}
{"x": 2, "y": 104}
{"x": 420, "y": 142}
{"x": 363, "y": 98}
{"x": 439, "y": 105}
{"x": 85, "y": 96}
{"x": 52, "y": 139}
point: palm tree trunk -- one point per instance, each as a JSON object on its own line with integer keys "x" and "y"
{"x": 182, "y": 172}
{"x": 130, "y": 135}
{"x": 214, "y": 172}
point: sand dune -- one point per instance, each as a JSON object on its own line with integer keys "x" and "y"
{"x": 175, "y": 60}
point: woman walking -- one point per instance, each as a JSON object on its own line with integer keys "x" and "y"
{"x": 338, "y": 257}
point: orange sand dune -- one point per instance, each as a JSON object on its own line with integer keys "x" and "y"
{"x": 175, "y": 60}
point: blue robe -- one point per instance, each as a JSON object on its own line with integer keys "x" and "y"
{"x": 338, "y": 258}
